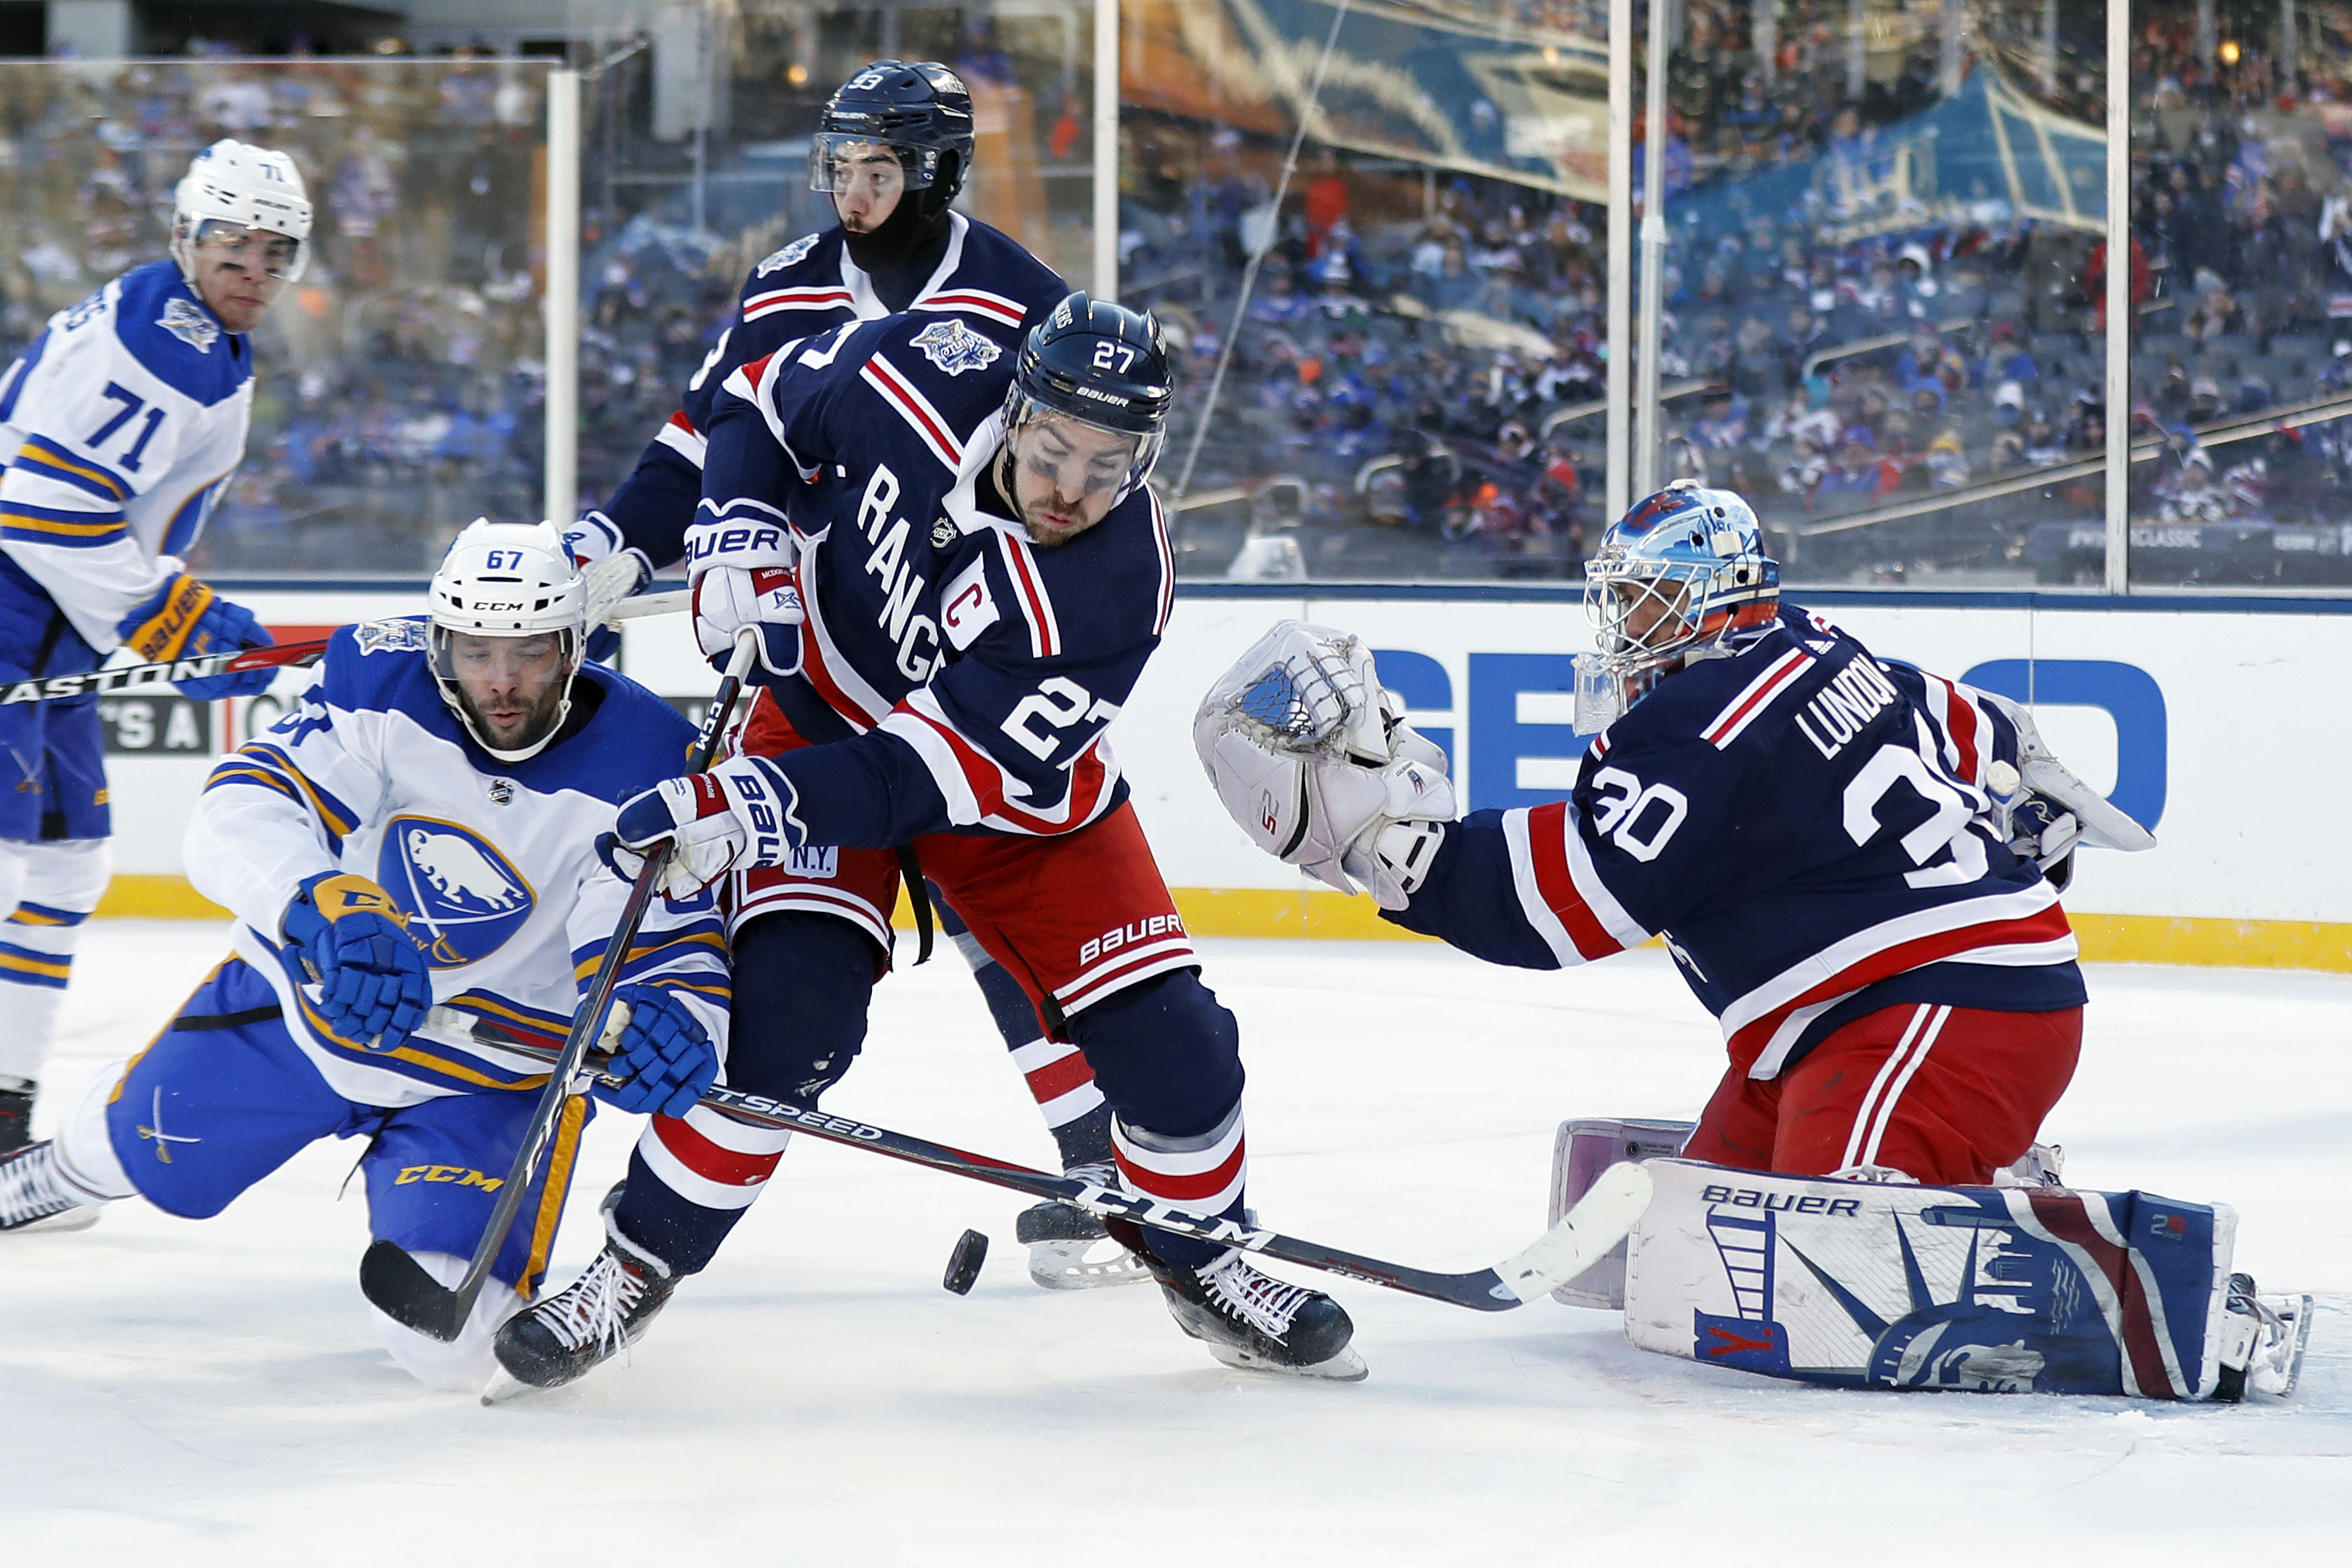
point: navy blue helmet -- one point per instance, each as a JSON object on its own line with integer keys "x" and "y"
{"x": 921, "y": 110}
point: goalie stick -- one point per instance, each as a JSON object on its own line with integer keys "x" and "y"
{"x": 141, "y": 680}
{"x": 1598, "y": 1221}
{"x": 395, "y": 1281}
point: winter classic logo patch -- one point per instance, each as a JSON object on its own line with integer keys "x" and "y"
{"x": 461, "y": 894}
{"x": 390, "y": 636}
{"x": 956, "y": 348}
{"x": 189, "y": 325}
{"x": 788, "y": 256}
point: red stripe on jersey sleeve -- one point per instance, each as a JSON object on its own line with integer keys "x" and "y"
{"x": 985, "y": 779}
{"x": 1547, "y": 849}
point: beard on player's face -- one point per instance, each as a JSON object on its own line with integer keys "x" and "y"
{"x": 1061, "y": 476}
{"x": 512, "y": 689}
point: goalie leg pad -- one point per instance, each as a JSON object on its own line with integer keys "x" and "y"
{"x": 1990, "y": 1290}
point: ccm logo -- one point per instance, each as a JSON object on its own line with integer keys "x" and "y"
{"x": 1133, "y": 931}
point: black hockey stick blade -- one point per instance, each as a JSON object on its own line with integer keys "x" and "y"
{"x": 401, "y": 1289}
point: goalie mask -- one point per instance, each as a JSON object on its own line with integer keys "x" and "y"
{"x": 1679, "y": 577}
{"x": 1085, "y": 418}
{"x": 509, "y": 628}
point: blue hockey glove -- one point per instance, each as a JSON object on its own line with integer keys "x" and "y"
{"x": 184, "y": 619}
{"x": 727, "y": 599}
{"x": 374, "y": 984}
{"x": 663, "y": 1054}
{"x": 740, "y": 810}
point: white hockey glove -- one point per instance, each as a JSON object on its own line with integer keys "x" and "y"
{"x": 1315, "y": 763}
{"x": 727, "y": 599}
{"x": 613, "y": 578}
{"x": 591, "y": 539}
{"x": 749, "y": 535}
{"x": 2045, "y": 812}
{"x": 741, "y": 813}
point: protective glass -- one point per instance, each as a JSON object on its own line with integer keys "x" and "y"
{"x": 840, "y": 164}
{"x": 275, "y": 255}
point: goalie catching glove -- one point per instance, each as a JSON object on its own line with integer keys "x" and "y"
{"x": 1315, "y": 763}
{"x": 2043, "y": 812}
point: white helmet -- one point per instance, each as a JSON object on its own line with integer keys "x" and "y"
{"x": 508, "y": 579}
{"x": 244, "y": 187}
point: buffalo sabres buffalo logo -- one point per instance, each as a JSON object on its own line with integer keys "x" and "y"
{"x": 189, "y": 325}
{"x": 390, "y": 636}
{"x": 789, "y": 256}
{"x": 458, "y": 889}
{"x": 956, "y": 348}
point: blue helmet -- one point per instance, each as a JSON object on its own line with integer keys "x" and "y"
{"x": 919, "y": 110}
{"x": 1676, "y": 578}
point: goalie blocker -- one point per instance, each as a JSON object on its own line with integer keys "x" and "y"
{"x": 1999, "y": 1290}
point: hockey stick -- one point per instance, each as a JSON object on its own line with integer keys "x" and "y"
{"x": 129, "y": 680}
{"x": 1597, "y": 1223}
{"x": 396, "y": 1283}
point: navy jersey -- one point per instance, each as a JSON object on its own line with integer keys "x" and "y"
{"x": 985, "y": 278}
{"x": 971, "y": 673}
{"x": 1805, "y": 823}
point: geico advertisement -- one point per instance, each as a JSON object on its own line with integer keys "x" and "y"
{"x": 2208, "y": 728}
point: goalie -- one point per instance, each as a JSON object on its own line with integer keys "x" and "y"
{"x": 1855, "y": 863}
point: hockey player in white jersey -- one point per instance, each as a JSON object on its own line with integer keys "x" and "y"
{"x": 418, "y": 832}
{"x": 120, "y": 427}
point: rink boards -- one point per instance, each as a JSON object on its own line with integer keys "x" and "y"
{"x": 2207, "y": 720}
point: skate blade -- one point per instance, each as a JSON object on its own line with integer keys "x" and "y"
{"x": 1345, "y": 1367}
{"x": 61, "y": 1222}
{"x": 2277, "y": 1382}
{"x": 1069, "y": 1265}
{"x": 504, "y": 1386}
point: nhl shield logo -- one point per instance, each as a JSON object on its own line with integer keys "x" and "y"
{"x": 789, "y": 256}
{"x": 189, "y": 325}
{"x": 956, "y": 348}
{"x": 459, "y": 892}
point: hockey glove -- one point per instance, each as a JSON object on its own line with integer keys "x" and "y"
{"x": 2043, "y": 811}
{"x": 727, "y": 599}
{"x": 747, "y": 535}
{"x": 741, "y": 809}
{"x": 609, "y": 580}
{"x": 374, "y": 984}
{"x": 664, "y": 1055}
{"x": 183, "y": 620}
{"x": 591, "y": 539}
{"x": 1316, "y": 764}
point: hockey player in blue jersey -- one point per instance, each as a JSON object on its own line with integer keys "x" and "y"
{"x": 959, "y": 576}
{"x": 892, "y": 150}
{"x": 414, "y": 840}
{"x": 1846, "y": 855}
{"x": 120, "y": 427}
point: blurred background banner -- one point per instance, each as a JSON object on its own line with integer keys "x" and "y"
{"x": 1881, "y": 307}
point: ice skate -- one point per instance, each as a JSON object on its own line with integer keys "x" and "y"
{"x": 1069, "y": 1250}
{"x": 2262, "y": 1341}
{"x": 16, "y": 1118}
{"x": 33, "y": 1197}
{"x": 1255, "y": 1321}
{"x": 589, "y": 1322}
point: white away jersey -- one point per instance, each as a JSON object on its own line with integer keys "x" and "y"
{"x": 120, "y": 427}
{"x": 494, "y": 863}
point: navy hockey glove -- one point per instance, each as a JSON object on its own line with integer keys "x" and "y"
{"x": 665, "y": 1055}
{"x": 740, "y": 810}
{"x": 727, "y": 599}
{"x": 374, "y": 984}
{"x": 184, "y": 619}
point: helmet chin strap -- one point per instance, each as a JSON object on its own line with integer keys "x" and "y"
{"x": 454, "y": 701}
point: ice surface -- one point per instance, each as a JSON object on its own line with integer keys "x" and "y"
{"x": 176, "y": 1393}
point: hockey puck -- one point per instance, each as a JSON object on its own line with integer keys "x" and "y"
{"x": 963, "y": 1263}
